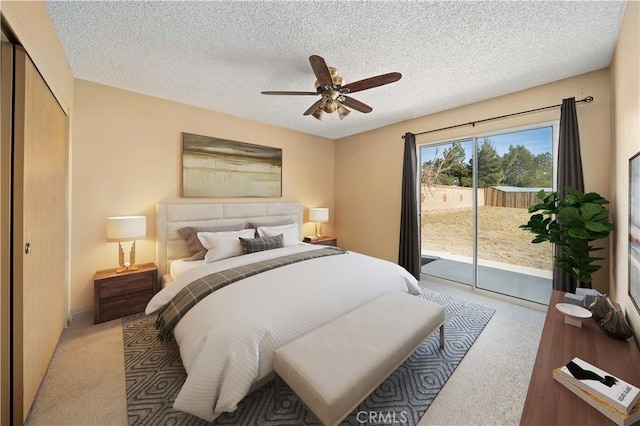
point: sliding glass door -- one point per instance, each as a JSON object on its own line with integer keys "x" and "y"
{"x": 447, "y": 205}
{"x": 474, "y": 195}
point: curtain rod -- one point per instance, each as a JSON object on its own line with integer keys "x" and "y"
{"x": 587, "y": 100}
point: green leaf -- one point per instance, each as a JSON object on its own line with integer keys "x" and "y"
{"x": 580, "y": 233}
{"x": 569, "y": 215}
{"x": 569, "y": 200}
{"x": 596, "y": 227}
{"x": 541, "y": 194}
{"x": 593, "y": 197}
{"x": 590, "y": 210}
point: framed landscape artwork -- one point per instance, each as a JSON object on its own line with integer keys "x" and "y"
{"x": 634, "y": 230}
{"x": 213, "y": 167}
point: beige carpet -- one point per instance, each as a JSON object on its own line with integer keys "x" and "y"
{"x": 85, "y": 382}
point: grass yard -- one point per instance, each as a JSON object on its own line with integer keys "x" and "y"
{"x": 499, "y": 238}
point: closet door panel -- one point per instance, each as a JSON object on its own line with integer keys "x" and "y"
{"x": 6, "y": 95}
{"x": 40, "y": 224}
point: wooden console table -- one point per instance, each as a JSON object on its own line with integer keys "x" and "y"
{"x": 548, "y": 401}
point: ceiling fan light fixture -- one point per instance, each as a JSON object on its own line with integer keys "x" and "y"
{"x": 317, "y": 114}
{"x": 330, "y": 106}
{"x": 343, "y": 112}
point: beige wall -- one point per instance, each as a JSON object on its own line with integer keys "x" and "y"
{"x": 369, "y": 165}
{"x": 625, "y": 90}
{"x": 126, "y": 158}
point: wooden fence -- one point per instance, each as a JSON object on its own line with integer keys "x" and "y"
{"x": 444, "y": 197}
{"x": 519, "y": 200}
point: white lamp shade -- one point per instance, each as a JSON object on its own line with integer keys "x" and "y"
{"x": 126, "y": 228}
{"x": 319, "y": 214}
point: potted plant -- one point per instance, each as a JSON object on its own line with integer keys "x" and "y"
{"x": 572, "y": 223}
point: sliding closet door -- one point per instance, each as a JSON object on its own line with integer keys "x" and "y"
{"x": 6, "y": 88}
{"x": 40, "y": 127}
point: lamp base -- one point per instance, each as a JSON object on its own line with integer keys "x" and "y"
{"x": 126, "y": 269}
{"x": 127, "y": 266}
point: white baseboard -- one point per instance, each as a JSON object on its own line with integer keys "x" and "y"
{"x": 81, "y": 316}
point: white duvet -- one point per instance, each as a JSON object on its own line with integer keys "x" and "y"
{"x": 227, "y": 340}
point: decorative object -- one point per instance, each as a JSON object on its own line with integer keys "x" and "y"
{"x": 573, "y": 315}
{"x": 589, "y": 295}
{"x": 126, "y": 228}
{"x": 213, "y": 167}
{"x": 583, "y": 297}
{"x": 610, "y": 318}
{"x": 611, "y": 390}
{"x": 600, "y": 307}
{"x": 571, "y": 222}
{"x": 574, "y": 299}
{"x": 615, "y": 325}
{"x": 319, "y": 215}
{"x": 634, "y": 230}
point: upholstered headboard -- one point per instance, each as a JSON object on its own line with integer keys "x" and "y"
{"x": 171, "y": 217}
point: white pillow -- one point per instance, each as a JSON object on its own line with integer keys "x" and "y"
{"x": 221, "y": 245}
{"x": 290, "y": 233}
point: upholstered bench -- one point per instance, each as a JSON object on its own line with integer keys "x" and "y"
{"x": 334, "y": 368}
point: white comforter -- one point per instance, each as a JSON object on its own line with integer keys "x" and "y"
{"x": 228, "y": 339}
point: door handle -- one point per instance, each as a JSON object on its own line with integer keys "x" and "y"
{"x": 27, "y": 248}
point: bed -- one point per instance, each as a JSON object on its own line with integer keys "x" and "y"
{"x": 227, "y": 340}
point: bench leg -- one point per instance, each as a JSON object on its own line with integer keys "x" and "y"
{"x": 276, "y": 392}
{"x": 442, "y": 336}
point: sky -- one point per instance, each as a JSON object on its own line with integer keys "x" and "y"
{"x": 536, "y": 140}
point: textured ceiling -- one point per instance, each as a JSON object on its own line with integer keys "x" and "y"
{"x": 221, "y": 55}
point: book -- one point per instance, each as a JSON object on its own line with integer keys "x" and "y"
{"x": 618, "y": 417}
{"x": 616, "y": 392}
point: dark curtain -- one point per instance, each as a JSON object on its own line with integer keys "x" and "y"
{"x": 409, "y": 251}
{"x": 569, "y": 174}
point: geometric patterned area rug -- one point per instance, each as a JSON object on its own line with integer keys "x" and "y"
{"x": 154, "y": 376}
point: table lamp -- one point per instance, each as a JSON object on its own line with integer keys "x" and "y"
{"x": 126, "y": 228}
{"x": 319, "y": 215}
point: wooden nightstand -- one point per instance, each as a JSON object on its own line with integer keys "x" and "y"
{"x": 126, "y": 293}
{"x": 325, "y": 241}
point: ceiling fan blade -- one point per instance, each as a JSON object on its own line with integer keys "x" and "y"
{"x": 288, "y": 93}
{"x": 370, "y": 82}
{"x": 355, "y": 104}
{"x": 321, "y": 70}
{"x": 314, "y": 107}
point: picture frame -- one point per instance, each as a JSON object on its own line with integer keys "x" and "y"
{"x": 634, "y": 230}
{"x": 221, "y": 168}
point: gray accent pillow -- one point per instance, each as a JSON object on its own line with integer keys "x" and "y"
{"x": 190, "y": 234}
{"x": 252, "y": 245}
{"x": 272, "y": 223}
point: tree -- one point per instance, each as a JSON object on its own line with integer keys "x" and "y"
{"x": 543, "y": 170}
{"x": 490, "y": 170}
{"x": 519, "y": 167}
{"x": 447, "y": 168}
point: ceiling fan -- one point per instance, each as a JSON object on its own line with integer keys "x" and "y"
{"x": 333, "y": 92}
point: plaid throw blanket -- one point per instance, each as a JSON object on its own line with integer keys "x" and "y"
{"x": 199, "y": 289}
